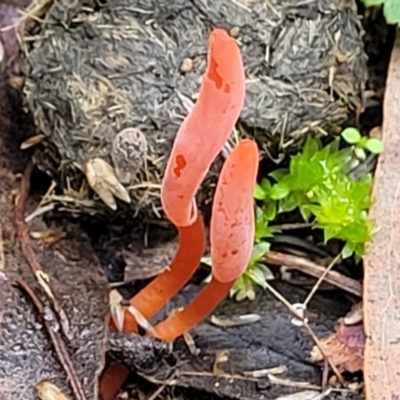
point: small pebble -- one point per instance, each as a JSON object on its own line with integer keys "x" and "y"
{"x": 48, "y": 391}
{"x": 128, "y": 153}
{"x": 376, "y": 132}
{"x": 234, "y": 32}
{"x": 187, "y": 65}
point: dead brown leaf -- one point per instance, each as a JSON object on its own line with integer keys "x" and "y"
{"x": 345, "y": 348}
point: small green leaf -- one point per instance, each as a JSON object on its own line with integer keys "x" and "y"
{"x": 279, "y": 174}
{"x": 391, "y": 10}
{"x": 266, "y": 185}
{"x": 279, "y": 191}
{"x": 261, "y": 228}
{"x": 359, "y": 251}
{"x": 288, "y": 203}
{"x": 373, "y": 145}
{"x": 330, "y": 232}
{"x": 335, "y": 162}
{"x": 351, "y": 135}
{"x": 270, "y": 210}
{"x": 268, "y": 275}
{"x": 305, "y": 212}
{"x": 256, "y": 276}
{"x": 310, "y": 148}
{"x": 362, "y": 141}
{"x": 371, "y": 3}
{"x": 242, "y": 289}
{"x": 259, "y": 193}
{"x": 259, "y": 274}
{"x": 259, "y": 250}
{"x": 360, "y": 153}
{"x": 347, "y": 251}
{"x": 313, "y": 209}
{"x": 304, "y": 174}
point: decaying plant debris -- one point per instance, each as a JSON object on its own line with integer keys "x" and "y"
{"x": 93, "y": 71}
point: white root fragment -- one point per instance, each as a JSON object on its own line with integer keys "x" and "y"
{"x": 301, "y": 309}
{"x": 102, "y": 179}
{"x": 32, "y": 141}
{"x": 141, "y": 320}
{"x": 244, "y": 319}
{"x": 355, "y": 316}
{"x": 116, "y": 309}
{"x": 49, "y": 391}
{"x": 188, "y": 338}
{"x": 263, "y": 373}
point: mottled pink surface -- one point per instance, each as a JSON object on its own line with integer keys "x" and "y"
{"x": 9, "y": 16}
{"x": 352, "y": 336}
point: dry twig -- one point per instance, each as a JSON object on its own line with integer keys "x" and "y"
{"x": 51, "y": 324}
{"x": 58, "y": 316}
{"x": 321, "y": 279}
{"x": 308, "y": 328}
{"x": 29, "y": 253}
{"x": 311, "y": 268}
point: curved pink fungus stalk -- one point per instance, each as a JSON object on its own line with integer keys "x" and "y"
{"x": 160, "y": 290}
{"x": 205, "y": 130}
{"x": 200, "y": 138}
{"x": 232, "y": 218}
{"x": 232, "y": 235}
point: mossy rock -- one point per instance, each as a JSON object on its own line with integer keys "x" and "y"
{"x": 93, "y": 70}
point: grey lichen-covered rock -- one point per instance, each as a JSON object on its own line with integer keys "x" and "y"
{"x": 93, "y": 70}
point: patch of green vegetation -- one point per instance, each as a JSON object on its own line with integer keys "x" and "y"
{"x": 391, "y": 9}
{"x": 361, "y": 144}
{"x": 256, "y": 274}
{"x": 319, "y": 185}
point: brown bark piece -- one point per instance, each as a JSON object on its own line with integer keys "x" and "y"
{"x": 382, "y": 263}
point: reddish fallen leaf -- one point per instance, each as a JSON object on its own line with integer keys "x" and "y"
{"x": 345, "y": 348}
{"x": 112, "y": 379}
{"x": 352, "y": 336}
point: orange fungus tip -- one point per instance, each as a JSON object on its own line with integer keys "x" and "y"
{"x": 232, "y": 221}
{"x": 206, "y": 128}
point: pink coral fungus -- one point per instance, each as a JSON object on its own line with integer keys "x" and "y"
{"x": 205, "y": 130}
{"x": 232, "y": 235}
{"x": 232, "y": 221}
{"x": 198, "y": 142}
